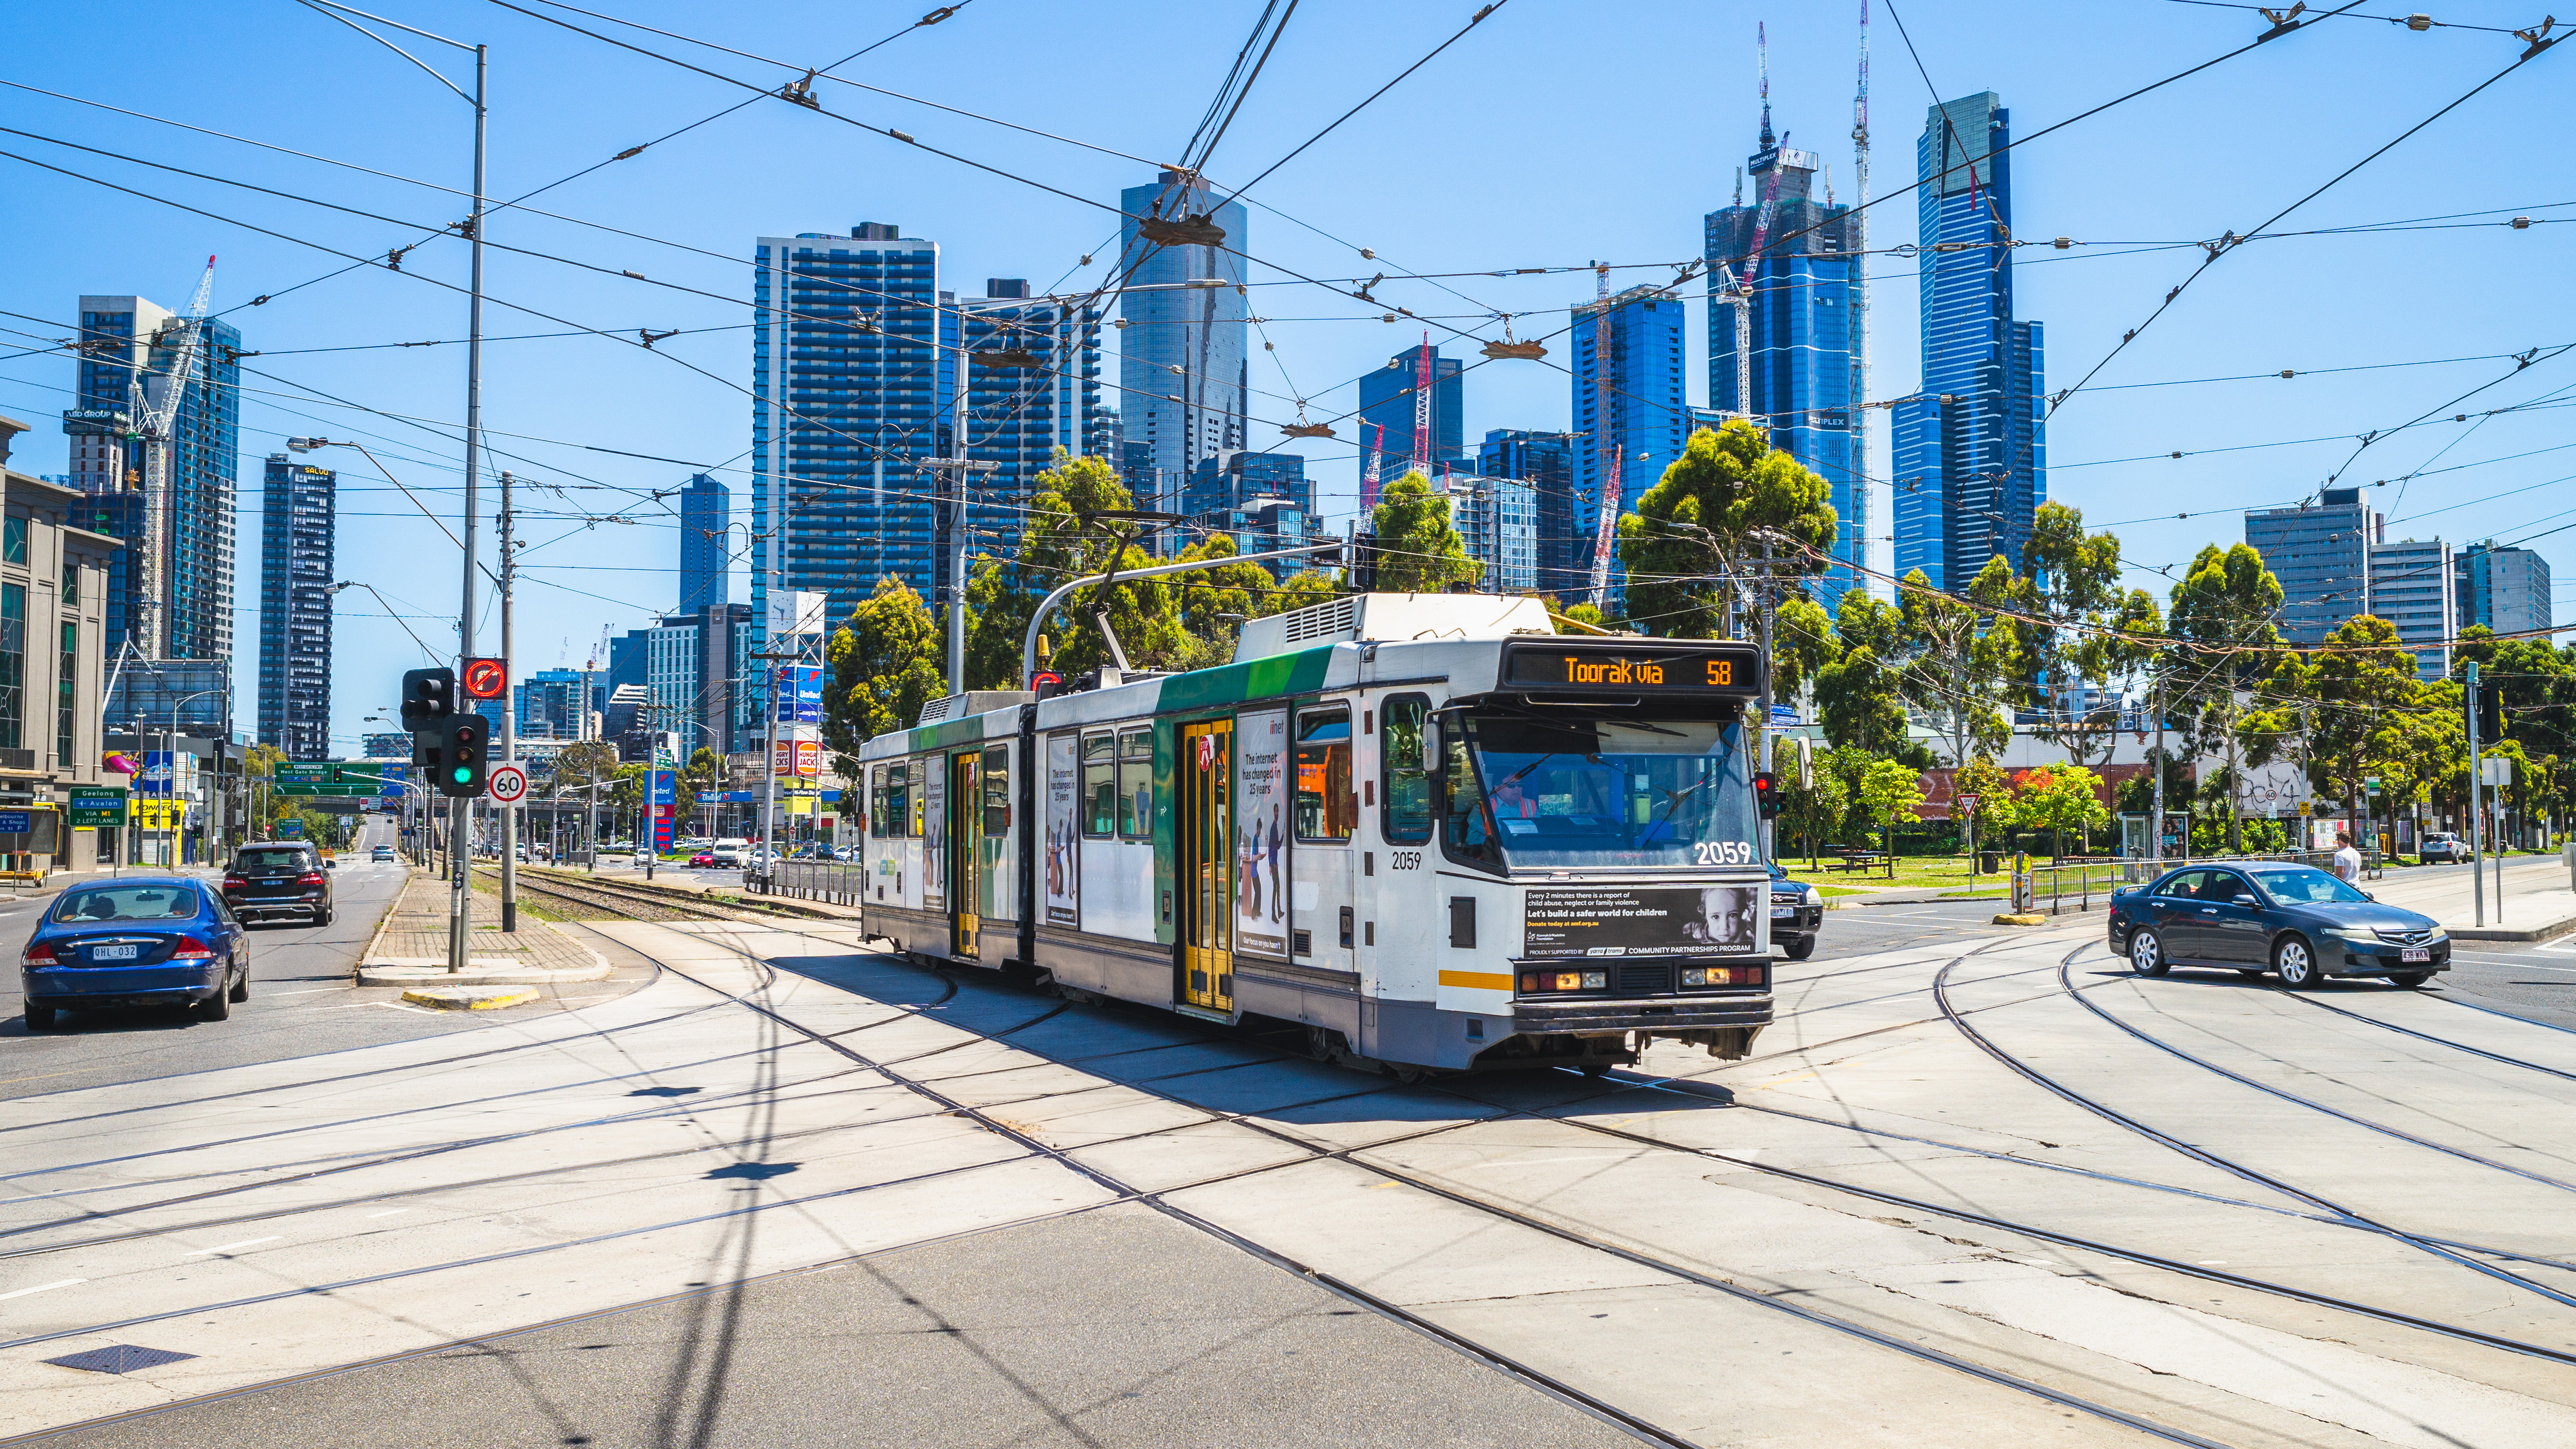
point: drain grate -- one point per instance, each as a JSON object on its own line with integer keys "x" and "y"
{"x": 120, "y": 1358}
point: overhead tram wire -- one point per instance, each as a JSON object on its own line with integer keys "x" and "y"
{"x": 2228, "y": 244}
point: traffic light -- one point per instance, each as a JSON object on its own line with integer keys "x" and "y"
{"x": 1766, "y": 795}
{"x": 428, "y": 695}
{"x": 463, "y": 756}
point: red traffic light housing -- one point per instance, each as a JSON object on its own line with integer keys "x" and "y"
{"x": 1766, "y": 795}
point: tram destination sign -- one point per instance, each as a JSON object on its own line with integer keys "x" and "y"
{"x": 1696, "y": 668}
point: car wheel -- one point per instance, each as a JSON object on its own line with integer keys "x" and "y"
{"x": 241, "y": 988}
{"x": 322, "y": 917}
{"x": 39, "y": 1018}
{"x": 2411, "y": 979}
{"x": 214, "y": 1008}
{"x": 1801, "y": 948}
{"x": 2295, "y": 963}
{"x": 2147, "y": 954}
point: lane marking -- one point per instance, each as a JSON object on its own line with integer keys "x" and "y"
{"x": 244, "y": 1243}
{"x": 389, "y": 1212}
{"x": 43, "y": 1288}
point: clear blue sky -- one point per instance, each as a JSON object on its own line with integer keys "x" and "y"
{"x": 1553, "y": 134}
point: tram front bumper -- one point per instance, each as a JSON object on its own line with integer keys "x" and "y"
{"x": 1657, "y": 1015}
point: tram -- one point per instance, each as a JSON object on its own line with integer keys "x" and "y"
{"x": 1427, "y": 828}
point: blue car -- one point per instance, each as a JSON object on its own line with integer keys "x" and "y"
{"x": 2295, "y": 921}
{"x": 139, "y": 941}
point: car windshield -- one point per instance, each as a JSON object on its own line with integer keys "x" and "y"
{"x": 1577, "y": 792}
{"x": 128, "y": 903}
{"x": 2307, "y": 886}
{"x": 270, "y": 862}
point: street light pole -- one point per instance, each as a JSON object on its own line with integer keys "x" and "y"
{"x": 509, "y": 725}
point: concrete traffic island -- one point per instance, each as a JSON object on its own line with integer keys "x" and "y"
{"x": 410, "y": 946}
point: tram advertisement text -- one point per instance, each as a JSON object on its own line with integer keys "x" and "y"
{"x": 1261, "y": 833}
{"x": 1641, "y": 921}
{"x": 1063, "y": 832}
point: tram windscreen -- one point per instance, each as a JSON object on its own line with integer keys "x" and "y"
{"x": 1590, "y": 793}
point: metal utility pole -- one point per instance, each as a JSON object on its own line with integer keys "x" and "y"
{"x": 769, "y": 769}
{"x": 509, "y": 727}
{"x": 951, "y": 472}
{"x": 2477, "y": 805}
{"x": 2156, "y": 811}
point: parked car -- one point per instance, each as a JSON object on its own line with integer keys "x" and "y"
{"x": 279, "y": 878}
{"x": 2442, "y": 845}
{"x": 138, "y": 941}
{"x": 1797, "y": 913}
{"x": 729, "y": 851}
{"x": 703, "y": 859}
{"x": 2292, "y": 920}
{"x": 381, "y": 855}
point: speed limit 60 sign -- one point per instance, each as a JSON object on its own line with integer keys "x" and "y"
{"x": 509, "y": 784}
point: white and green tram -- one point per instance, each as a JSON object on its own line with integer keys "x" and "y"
{"x": 1426, "y": 827}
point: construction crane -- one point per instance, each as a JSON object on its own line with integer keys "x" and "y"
{"x": 1606, "y": 497}
{"x": 1422, "y": 405}
{"x": 1376, "y": 452}
{"x": 157, "y": 415}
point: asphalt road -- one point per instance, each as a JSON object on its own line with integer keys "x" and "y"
{"x": 302, "y": 999}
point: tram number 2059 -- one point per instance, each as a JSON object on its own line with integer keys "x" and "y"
{"x": 1405, "y": 859}
{"x": 1725, "y": 852}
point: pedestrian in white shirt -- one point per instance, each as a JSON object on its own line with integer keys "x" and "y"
{"x": 2347, "y": 861}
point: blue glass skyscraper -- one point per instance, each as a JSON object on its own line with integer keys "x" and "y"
{"x": 1806, "y": 285}
{"x": 1545, "y": 461}
{"x": 1634, "y": 340}
{"x": 1387, "y": 415}
{"x": 1182, "y": 340}
{"x": 1970, "y": 464}
{"x": 705, "y": 572}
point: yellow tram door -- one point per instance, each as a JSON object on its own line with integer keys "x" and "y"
{"x": 1207, "y": 867}
{"x": 965, "y": 861}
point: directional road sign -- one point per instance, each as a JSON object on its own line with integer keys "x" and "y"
{"x": 508, "y": 784}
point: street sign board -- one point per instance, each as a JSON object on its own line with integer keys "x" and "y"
{"x": 306, "y": 772}
{"x": 93, "y": 805}
{"x": 800, "y": 694}
{"x": 16, "y": 822}
{"x": 2495, "y": 770}
{"x": 485, "y": 679}
{"x": 290, "y": 830}
{"x": 508, "y": 784}
{"x": 1969, "y": 802}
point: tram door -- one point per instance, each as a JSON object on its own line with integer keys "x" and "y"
{"x": 965, "y": 860}
{"x": 1207, "y": 864}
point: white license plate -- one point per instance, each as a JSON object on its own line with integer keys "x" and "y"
{"x": 1784, "y": 913}
{"x": 2416, "y": 953}
{"x": 114, "y": 953}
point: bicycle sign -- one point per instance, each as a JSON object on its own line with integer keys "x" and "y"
{"x": 508, "y": 784}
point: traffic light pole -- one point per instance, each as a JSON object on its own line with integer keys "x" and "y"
{"x": 509, "y": 732}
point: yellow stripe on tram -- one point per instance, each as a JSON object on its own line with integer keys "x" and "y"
{"x": 1477, "y": 980}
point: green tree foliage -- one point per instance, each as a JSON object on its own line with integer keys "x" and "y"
{"x": 1802, "y": 644}
{"x": 882, "y": 665}
{"x": 2078, "y": 627}
{"x": 1889, "y": 792}
{"x": 2336, "y": 705}
{"x": 1699, "y": 519}
{"x": 2056, "y": 797}
{"x": 1419, "y": 550}
{"x": 1859, "y": 696}
{"x": 1576, "y": 616}
{"x": 1998, "y": 800}
{"x": 1962, "y": 657}
{"x": 1814, "y": 811}
{"x": 1213, "y": 604}
{"x": 2221, "y": 622}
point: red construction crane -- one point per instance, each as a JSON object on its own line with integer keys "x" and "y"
{"x": 1606, "y": 497}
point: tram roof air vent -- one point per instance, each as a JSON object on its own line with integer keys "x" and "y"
{"x": 1393, "y": 619}
{"x": 975, "y": 701}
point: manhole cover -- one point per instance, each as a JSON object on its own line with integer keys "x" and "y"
{"x": 120, "y": 1358}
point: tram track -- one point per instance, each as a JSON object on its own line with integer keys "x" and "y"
{"x": 2461, "y": 1046}
{"x": 2214, "y": 1160}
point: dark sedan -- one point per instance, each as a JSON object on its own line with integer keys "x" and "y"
{"x": 2293, "y": 920}
{"x": 139, "y": 941}
{"x": 1797, "y": 913}
{"x": 279, "y": 878}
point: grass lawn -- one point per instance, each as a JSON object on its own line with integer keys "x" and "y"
{"x": 1913, "y": 871}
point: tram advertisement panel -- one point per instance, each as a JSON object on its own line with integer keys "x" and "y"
{"x": 1063, "y": 835}
{"x": 1642, "y": 921}
{"x": 934, "y": 834}
{"x": 1261, "y": 833}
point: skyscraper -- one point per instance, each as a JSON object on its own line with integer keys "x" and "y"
{"x": 1799, "y": 327}
{"x": 2321, "y": 554}
{"x": 1497, "y": 521}
{"x": 2502, "y": 587}
{"x": 855, "y": 366}
{"x": 2410, "y": 587}
{"x": 1545, "y": 461}
{"x": 1264, "y": 500}
{"x": 299, "y": 514}
{"x": 706, "y": 574}
{"x": 1634, "y": 339}
{"x": 1970, "y": 465}
{"x": 118, "y": 333}
{"x": 1182, "y": 344}
{"x": 1388, "y": 415}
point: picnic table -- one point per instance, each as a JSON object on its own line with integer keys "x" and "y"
{"x": 1856, "y": 862}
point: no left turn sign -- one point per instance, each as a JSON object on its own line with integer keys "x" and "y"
{"x": 509, "y": 784}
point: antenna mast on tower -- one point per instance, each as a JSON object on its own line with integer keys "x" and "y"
{"x": 1860, "y": 479}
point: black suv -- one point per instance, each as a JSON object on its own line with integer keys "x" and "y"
{"x": 279, "y": 878}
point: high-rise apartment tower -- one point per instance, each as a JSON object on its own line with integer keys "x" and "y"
{"x": 299, "y": 515}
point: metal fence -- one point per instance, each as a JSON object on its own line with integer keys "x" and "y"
{"x": 842, "y": 883}
{"x": 2056, "y": 889}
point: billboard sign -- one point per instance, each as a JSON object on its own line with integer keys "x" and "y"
{"x": 799, "y": 694}
{"x": 1599, "y": 921}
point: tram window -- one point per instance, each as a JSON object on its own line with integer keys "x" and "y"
{"x": 896, "y": 807}
{"x": 1099, "y": 786}
{"x": 1324, "y": 810}
{"x": 997, "y": 790}
{"x": 1466, "y": 829}
{"x": 1402, "y": 780}
{"x": 913, "y": 796}
{"x": 877, "y": 803}
{"x": 1136, "y": 784}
